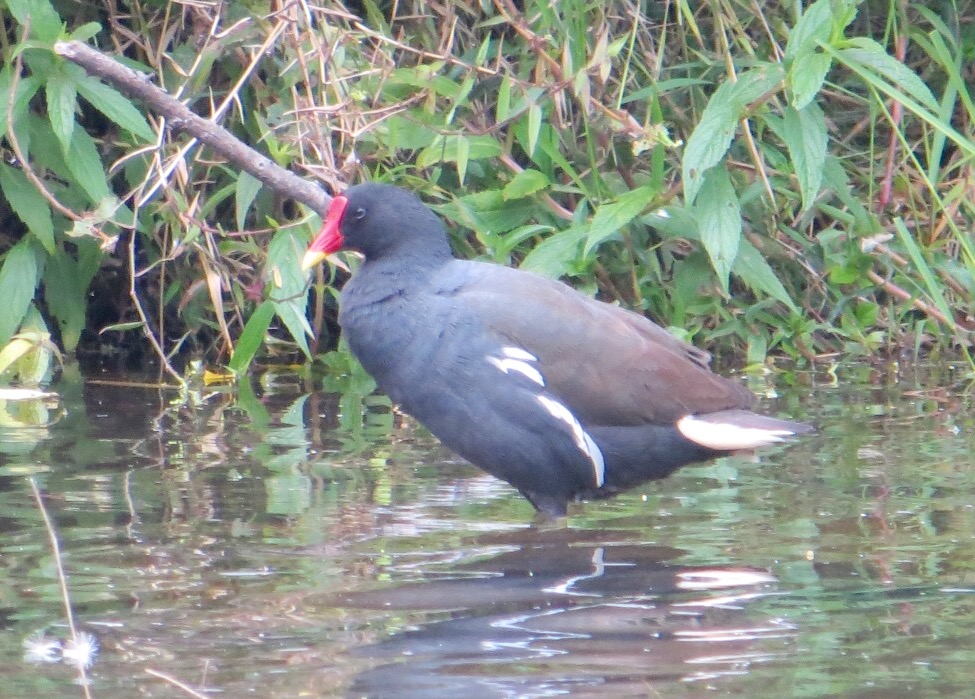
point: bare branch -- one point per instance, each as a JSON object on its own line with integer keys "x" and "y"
{"x": 181, "y": 118}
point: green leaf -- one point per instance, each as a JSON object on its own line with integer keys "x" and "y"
{"x": 65, "y": 293}
{"x": 258, "y": 415}
{"x": 709, "y": 141}
{"x": 503, "y": 245}
{"x": 835, "y": 178}
{"x": 34, "y": 366}
{"x": 460, "y": 99}
{"x": 663, "y": 87}
{"x": 524, "y": 184}
{"x": 115, "y": 106}
{"x": 757, "y": 349}
{"x": 951, "y": 61}
{"x": 18, "y": 280}
{"x": 27, "y": 357}
{"x": 463, "y": 154}
{"x": 806, "y": 76}
{"x": 251, "y": 338}
{"x": 445, "y": 149}
{"x": 846, "y": 274}
{"x": 552, "y": 256}
{"x": 815, "y": 25}
{"x": 14, "y": 351}
{"x": 805, "y": 136}
{"x": 47, "y": 156}
{"x": 502, "y": 109}
{"x": 376, "y": 18}
{"x": 754, "y": 84}
{"x": 756, "y": 273}
{"x": 22, "y": 117}
{"x": 45, "y": 24}
{"x": 871, "y": 55}
{"x": 122, "y": 327}
{"x": 29, "y": 205}
{"x": 482, "y": 52}
{"x": 719, "y": 222}
{"x": 405, "y": 131}
{"x": 289, "y": 286}
{"x": 673, "y": 221}
{"x": 893, "y": 91}
{"x": 844, "y": 12}
{"x": 534, "y": 127}
{"x": 247, "y": 188}
{"x": 488, "y": 211}
{"x": 423, "y": 77}
{"x": 934, "y": 288}
{"x": 85, "y": 165}
{"x": 90, "y": 257}
{"x": 86, "y": 32}
{"x": 551, "y": 153}
{"x": 711, "y": 138}
{"x": 61, "y": 100}
{"x": 609, "y": 218}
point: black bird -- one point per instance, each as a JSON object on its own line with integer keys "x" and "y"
{"x": 564, "y": 397}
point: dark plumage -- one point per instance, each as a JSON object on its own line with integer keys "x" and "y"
{"x": 564, "y": 397}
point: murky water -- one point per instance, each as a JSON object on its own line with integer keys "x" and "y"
{"x": 275, "y": 543}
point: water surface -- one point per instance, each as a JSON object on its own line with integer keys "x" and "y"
{"x": 282, "y": 541}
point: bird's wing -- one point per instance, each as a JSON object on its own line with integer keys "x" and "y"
{"x": 610, "y": 366}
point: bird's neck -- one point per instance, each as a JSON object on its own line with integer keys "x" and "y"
{"x": 407, "y": 266}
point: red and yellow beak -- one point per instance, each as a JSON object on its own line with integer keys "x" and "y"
{"x": 329, "y": 239}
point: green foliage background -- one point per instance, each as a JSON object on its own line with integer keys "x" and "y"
{"x": 767, "y": 177}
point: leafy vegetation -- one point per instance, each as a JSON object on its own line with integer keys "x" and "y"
{"x": 765, "y": 177}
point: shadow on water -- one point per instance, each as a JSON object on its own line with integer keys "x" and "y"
{"x": 283, "y": 542}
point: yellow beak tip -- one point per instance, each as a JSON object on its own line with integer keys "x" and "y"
{"x": 311, "y": 259}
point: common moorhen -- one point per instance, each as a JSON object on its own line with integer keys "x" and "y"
{"x": 564, "y": 397}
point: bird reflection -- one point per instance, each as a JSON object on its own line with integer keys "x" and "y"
{"x": 571, "y": 612}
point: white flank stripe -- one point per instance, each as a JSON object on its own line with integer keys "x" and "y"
{"x": 509, "y": 365}
{"x": 585, "y": 443}
{"x": 518, "y": 353}
{"x": 727, "y": 437}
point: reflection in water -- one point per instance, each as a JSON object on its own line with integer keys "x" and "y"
{"x": 570, "y": 611}
{"x": 282, "y": 543}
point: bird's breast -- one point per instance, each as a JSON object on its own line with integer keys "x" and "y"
{"x": 384, "y": 333}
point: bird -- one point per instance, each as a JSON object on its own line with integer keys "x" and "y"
{"x": 565, "y": 397}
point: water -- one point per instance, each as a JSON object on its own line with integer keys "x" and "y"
{"x": 276, "y": 543}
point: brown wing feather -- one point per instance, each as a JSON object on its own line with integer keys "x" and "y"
{"x": 610, "y": 366}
